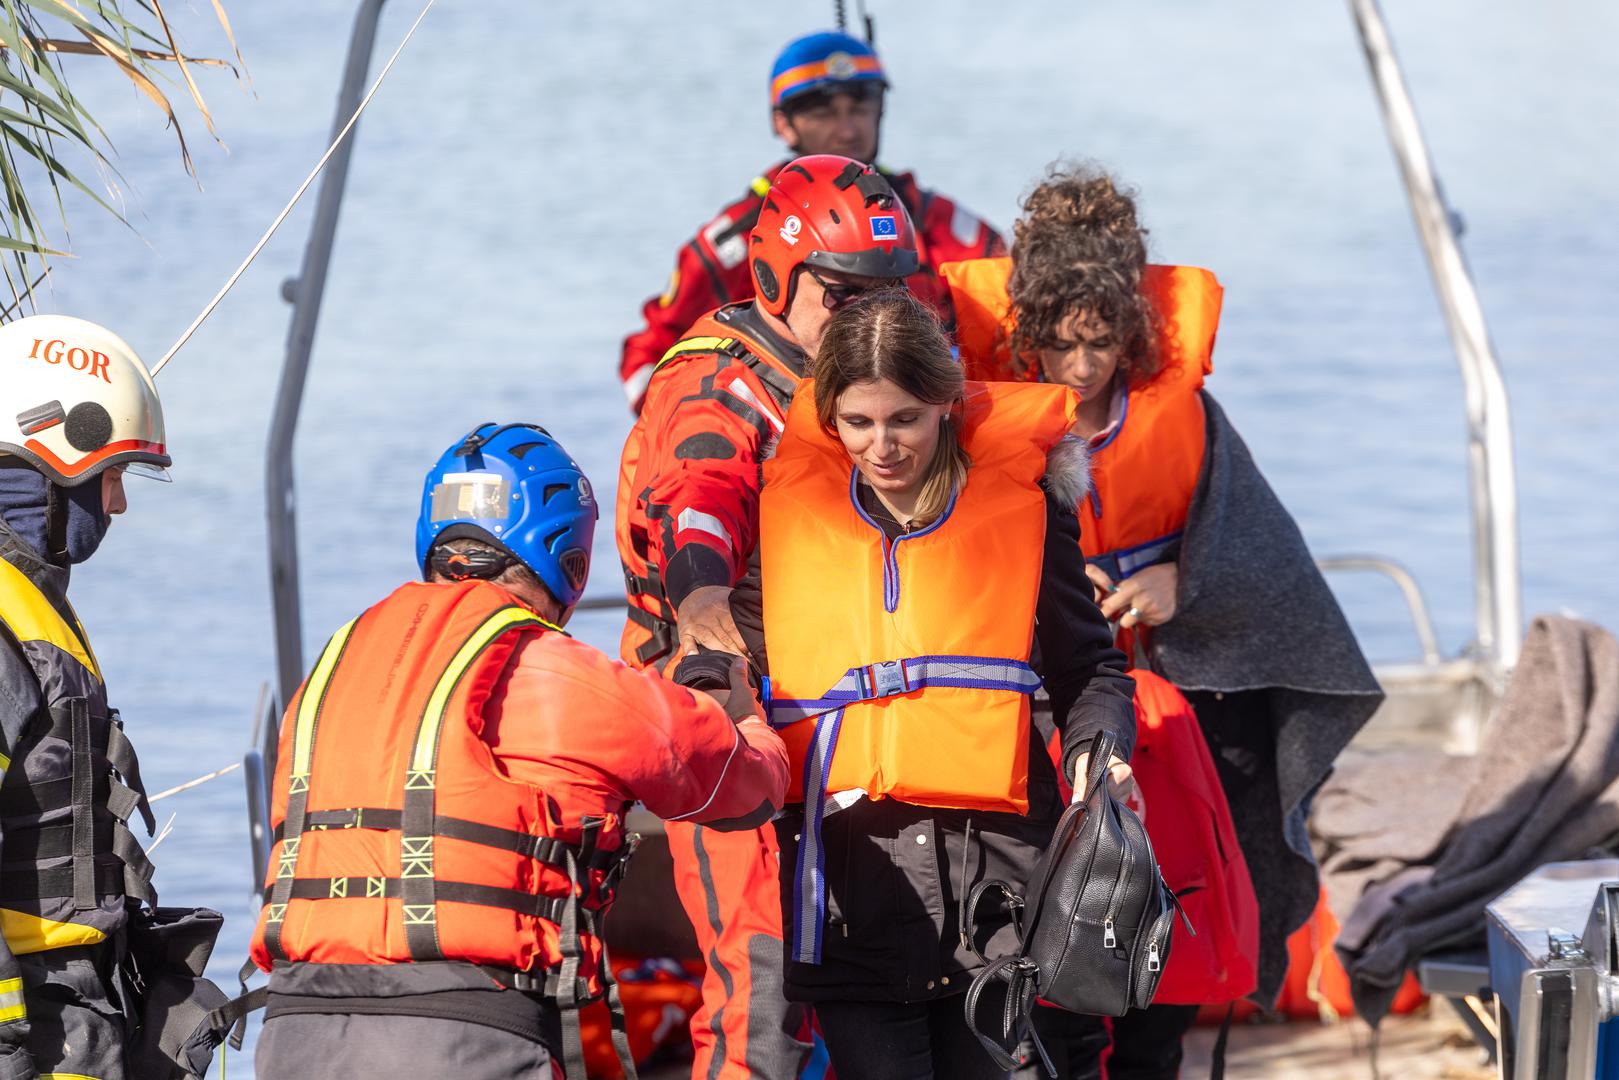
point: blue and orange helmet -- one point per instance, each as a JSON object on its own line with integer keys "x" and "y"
{"x": 514, "y": 487}
{"x": 824, "y": 61}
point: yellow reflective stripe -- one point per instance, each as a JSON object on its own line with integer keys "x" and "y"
{"x": 5, "y": 763}
{"x": 760, "y": 186}
{"x": 12, "y": 1006}
{"x": 26, "y": 933}
{"x": 695, "y": 345}
{"x": 303, "y": 741}
{"x": 32, "y": 617}
{"x": 67, "y": 1076}
{"x": 507, "y": 618}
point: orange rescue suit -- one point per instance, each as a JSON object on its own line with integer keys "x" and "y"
{"x": 647, "y": 528}
{"x": 842, "y": 604}
{"x": 1143, "y": 475}
{"x": 404, "y": 841}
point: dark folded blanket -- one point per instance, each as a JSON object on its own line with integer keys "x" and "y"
{"x": 1544, "y": 787}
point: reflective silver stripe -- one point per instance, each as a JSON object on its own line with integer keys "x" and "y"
{"x": 889, "y": 678}
{"x": 1131, "y": 562}
{"x": 12, "y": 1007}
{"x": 811, "y": 891}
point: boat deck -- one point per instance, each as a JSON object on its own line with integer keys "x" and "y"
{"x": 1429, "y": 1044}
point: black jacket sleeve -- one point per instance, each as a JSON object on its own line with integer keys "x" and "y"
{"x": 1084, "y": 674}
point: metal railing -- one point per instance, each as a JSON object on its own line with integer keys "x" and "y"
{"x": 1498, "y": 601}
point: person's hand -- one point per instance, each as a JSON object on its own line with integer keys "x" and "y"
{"x": 1147, "y": 596}
{"x": 739, "y": 700}
{"x": 1121, "y": 782}
{"x": 705, "y": 619}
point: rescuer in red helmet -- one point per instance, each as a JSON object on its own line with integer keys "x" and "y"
{"x": 826, "y": 97}
{"x": 829, "y": 229}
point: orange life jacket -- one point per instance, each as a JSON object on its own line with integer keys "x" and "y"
{"x": 1143, "y": 476}
{"x": 900, "y": 668}
{"x": 398, "y": 836}
{"x": 649, "y": 638}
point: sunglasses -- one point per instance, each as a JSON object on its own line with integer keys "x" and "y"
{"x": 837, "y": 294}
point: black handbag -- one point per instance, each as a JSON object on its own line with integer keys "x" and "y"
{"x": 1096, "y": 921}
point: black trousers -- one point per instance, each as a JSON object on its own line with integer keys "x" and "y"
{"x": 883, "y": 1040}
{"x": 1146, "y": 1044}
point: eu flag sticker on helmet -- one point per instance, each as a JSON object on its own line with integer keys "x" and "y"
{"x": 884, "y": 227}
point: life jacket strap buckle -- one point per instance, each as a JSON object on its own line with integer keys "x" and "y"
{"x": 888, "y": 678}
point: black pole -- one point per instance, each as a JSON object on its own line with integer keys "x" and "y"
{"x": 304, "y": 294}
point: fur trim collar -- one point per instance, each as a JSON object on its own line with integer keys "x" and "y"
{"x": 1068, "y": 471}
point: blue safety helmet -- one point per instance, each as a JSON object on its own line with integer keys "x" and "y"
{"x": 823, "y": 61}
{"x": 513, "y": 486}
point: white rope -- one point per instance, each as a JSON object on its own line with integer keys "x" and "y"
{"x": 310, "y": 179}
{"x": 198, "y": 782}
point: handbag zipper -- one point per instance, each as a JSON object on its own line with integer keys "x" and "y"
{"x": 1109, "y": 937}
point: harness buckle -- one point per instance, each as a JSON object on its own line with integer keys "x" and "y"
{"x": 888, "y": 678}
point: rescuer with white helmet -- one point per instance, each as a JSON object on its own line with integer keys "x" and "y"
{"x": 77, "y": 409}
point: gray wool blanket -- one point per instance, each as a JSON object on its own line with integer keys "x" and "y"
{"x": 1431, "y": 850}
{"x": 1269, "y": 661}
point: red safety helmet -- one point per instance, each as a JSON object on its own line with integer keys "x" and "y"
{"x": 833, "y": 213}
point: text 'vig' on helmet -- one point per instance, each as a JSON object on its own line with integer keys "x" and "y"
{"x": 827, "y": 61}
{"x": 832, "y": 213}
{"x": 513, "y": 486}
{"x": 75, "y": 401}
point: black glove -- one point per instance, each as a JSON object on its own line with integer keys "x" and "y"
{"x": 724, "y": 677}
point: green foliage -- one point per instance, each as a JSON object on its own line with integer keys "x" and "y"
{"x": 48, "y": 130}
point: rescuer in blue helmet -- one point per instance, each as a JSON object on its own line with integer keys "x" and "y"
{"x": 516, "y": 496}
{"x": 454, "y": 735}
{"x": 827, "y": 93}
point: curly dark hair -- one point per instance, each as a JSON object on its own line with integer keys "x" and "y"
{"x": 1078, "y": 247}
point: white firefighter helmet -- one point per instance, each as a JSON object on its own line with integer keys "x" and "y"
{"x": 76, "y": 400}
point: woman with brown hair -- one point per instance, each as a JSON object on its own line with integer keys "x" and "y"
{"x": 919, "y": 582}
{"x": 1195, "y": 560}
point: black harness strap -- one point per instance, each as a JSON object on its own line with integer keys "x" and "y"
{"x": 138, "y": 869}
{"x": 544, "y": 849}
{"x": 121, "y": 754}
{"x": 106, "y": 880}
{"x": 84, "y": 827}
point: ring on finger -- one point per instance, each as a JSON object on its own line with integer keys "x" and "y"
{"x": 1134, "y": 613}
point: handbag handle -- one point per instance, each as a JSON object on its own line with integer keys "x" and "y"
{"x": 1103, "y": 749}
{"x": 969, "y": 913}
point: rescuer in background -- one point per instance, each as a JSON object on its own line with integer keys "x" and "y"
{"x": 456, "y": 770}
{"x": 826, "y": 97}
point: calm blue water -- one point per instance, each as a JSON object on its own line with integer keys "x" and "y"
{"x": 525, "y": 177}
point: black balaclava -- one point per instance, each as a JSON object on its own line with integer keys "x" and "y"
{"x": 64, "y": 525}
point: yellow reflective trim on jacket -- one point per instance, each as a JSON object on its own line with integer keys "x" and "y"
{"x": 760, "y": 186}
{"x": 25, "y": 933}
{"x": 507, "y": 618}
{"x": 5, "y": 763}
{"x": 67, "y": 1076}
{"x": 691, "y": 345}
{"x": 32, "y": 617}
{"x": 12, "y": 1006}
{"x": 303, "y": 734}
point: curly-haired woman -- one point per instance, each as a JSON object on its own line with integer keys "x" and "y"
{"x": 1203, "y": 570}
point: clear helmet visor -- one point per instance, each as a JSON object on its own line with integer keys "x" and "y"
{"x": 471, "y": 497}
{"x": 149, "y": 470}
